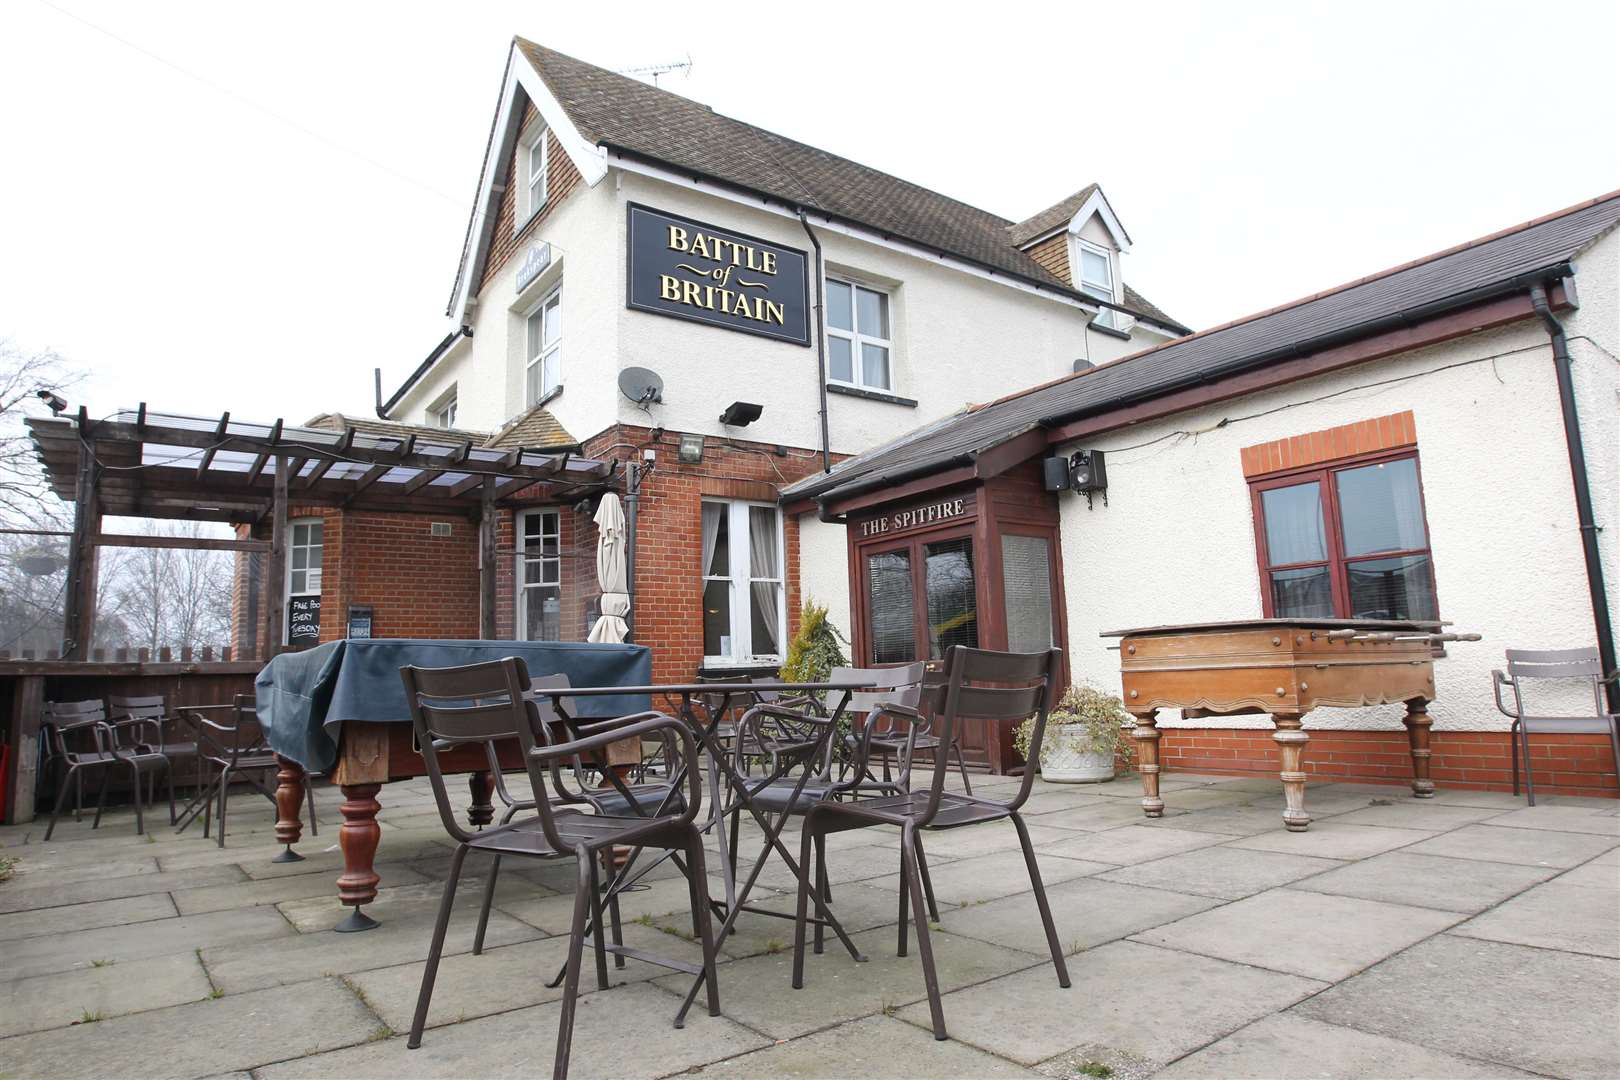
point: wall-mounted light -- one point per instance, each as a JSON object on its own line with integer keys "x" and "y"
{"x": 741, "y": 414}
{"x": 690, "y": 451}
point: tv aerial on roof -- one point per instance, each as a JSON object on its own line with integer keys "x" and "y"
{"x": 643, "y": 386}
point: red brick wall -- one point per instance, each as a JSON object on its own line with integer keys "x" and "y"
{"x": 1476, "y": 760}
{"x": 1348, "y": 440}
{"x": 561, "y": 179}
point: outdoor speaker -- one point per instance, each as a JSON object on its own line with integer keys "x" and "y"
{"x": 1055, "y": 474}
{"x": 1086, "y": 471}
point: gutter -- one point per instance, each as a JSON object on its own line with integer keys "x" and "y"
{"x": 384, "y": 407}
{"x": 821, "y": 344}
{"x": 1583, "y": 492}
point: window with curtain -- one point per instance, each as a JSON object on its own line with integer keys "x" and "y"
{"x": 539, "y": 575}
{"x": 744, "y": 620}
{"x": 1346, "y": 541}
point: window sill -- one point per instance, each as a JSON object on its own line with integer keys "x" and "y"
{"x": 1109, "y": 330}
{"x": 870, "y": 395}
{"x": 545, "y": 399}
{"x": 528, "y": 219}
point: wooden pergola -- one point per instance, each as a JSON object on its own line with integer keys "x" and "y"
{"x": 164, "y": 465}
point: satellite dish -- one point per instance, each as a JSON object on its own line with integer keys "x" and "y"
{"x": 641, "y": 385}
{"x": 1083, "y": 365}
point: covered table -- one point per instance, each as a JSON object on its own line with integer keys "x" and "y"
{"x": 340, "y": 708}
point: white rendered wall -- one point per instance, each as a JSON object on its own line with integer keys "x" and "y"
{"x": 1176, "y": 542}
{"x": 824, "y": 568}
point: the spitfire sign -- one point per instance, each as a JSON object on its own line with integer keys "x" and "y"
{"x": 696, "y": 271}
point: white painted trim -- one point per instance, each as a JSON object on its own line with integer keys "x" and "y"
{"x": 740, "y": 558}
{"x": 854, "y": 336}
{"x": 1097, "y": 205}
{"x": 587, "y": 158}
{"x": 520, "y": 624}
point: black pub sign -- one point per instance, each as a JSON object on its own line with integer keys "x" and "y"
{"x": 692, "y": 270}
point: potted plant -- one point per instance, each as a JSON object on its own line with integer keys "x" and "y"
{"x": 1084, "y": 736}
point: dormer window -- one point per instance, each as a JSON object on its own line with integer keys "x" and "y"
{"x": 1096, "y": 279}
{"x": 534, "y": 158}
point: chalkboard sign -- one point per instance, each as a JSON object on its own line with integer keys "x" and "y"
{"x": 359, "y": 622}
{"x": 303, "y": 620}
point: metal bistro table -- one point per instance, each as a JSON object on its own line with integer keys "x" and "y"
{"x": 720, "y": 765}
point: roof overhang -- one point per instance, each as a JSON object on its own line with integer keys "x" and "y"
{"x": 1097, "y": 206}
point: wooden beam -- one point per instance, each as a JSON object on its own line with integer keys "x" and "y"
{"x": 423, "y": 478}
{"x": 79, "y": 608}
{"x": 466, "y": 484}
{"x": 22, "y": 765}
{"x": 367, "y": 478}
{"x": 277, "y": 577}
{"x": 487, "y": 533}
{"x": 192, "y": 543}
{"x": 259, "y": 463}
{"x": 321, "y": 468}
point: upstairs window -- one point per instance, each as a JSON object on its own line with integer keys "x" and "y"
{"x": 1096, "y": 279}
{"x": 543, "y": 372}
{"x": 858, "y": 335}
{"x": 534, "y": 156}
{"x": 1345, "y": 541}
{"x": 442, "y": 414}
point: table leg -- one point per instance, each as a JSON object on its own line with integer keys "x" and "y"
{"x": 290, "y": 782}
{"x": 481, "y": 811}
{"x": 1418, "y": 722}
{"x": 1291, "y": 738}
{"x": 357, "y": 885}
{"x": 1147, "y": 761}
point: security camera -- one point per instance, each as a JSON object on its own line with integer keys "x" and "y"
{"x": 53, "y": 401}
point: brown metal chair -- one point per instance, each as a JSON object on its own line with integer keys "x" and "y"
{"x": 1576, "y": 666}
{"x": 149, "y": 718}
{"x": 78, "y": 719}
{"x": 234, "y": 748}
{"x": 990, "y": 685}
{"x": 903, "y": 735}
{"x": 482, "y": 702}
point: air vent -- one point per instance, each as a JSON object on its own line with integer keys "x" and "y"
{"x": 440, "y": 528}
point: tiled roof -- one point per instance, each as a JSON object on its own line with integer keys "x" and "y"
{"x": 366, "y": 425}
{"x": 535, "y": 429}
{"x": 619, "y": 112}
{"x": 1050, "y": 218}
{"x": 1472, "y": 273}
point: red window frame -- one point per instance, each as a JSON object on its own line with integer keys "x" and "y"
{"x": 1333, "y": 526}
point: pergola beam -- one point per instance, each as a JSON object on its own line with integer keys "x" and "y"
{"x": 192, "y": 543}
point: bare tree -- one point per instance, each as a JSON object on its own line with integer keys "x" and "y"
{"x": 25, "y": 499}
{"x": 175, "y": 597}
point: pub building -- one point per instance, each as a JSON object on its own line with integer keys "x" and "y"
{"x": 1435, "y": 442}
{"x": 719, "y": 311}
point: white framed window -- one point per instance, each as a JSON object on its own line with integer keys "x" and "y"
{"x": 539, "y": 575}
{"x": 543, "y": 372}
{"x": 442, "y": 413}
{"x": 305, "y": 539}
{"x": 744, "y": 614}
{"x": 859, "y": 345}
{"x": 1095, "y": 277}
{"x": 534, "y": 158}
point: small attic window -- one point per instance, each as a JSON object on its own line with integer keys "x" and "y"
{"x": 442, "y": 413}
{"x": 533, "y": 163}
{"x": 1096, "y": 278}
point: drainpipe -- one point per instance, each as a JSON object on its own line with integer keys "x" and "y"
{"x": 1583, "y": 490}
{"x": 821, "y": 346}
{"x": 632, "y": 501}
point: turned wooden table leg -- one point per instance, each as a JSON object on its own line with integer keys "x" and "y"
{"x": 357, "y": 885}
{"x": 1291, "y": 739}
{"x": 289, "y": 800}
{"x": 1418, "y": 722}
{"x": 1147, "y": 759}
{"x": 481, "y": 811}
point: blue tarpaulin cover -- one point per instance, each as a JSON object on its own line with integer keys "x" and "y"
{"x": 304, "y": 697}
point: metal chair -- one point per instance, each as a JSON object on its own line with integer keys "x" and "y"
{"x": 904, "y": 734}
{"x": 1576, "y": 666}
{"x": 235, "y": 749}
{"x": 78, "y": 718}
{"x": 455, "y": 706}
{"x": 150, "y": 715}
{"x": 979, "y": 683}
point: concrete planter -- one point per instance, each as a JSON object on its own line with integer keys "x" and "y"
{"x": 1066, "y": 758}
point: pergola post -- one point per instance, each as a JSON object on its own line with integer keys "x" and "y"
{"x": 276, "y": 577}
{"x": 487, "y": 535}
{"x": 79, "y": 608}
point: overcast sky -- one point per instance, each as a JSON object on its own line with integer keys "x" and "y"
{"x": 275, "y": 206}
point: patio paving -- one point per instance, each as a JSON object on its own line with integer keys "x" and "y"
{"x": 1467, "y": 936}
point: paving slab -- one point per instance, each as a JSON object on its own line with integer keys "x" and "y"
{"x": 1432, "y": 881}
{"x": 1087, "y": 912}
{"x": 1579, "y": 819}
{"x": 989, "y": 877}
{"x": 522, "y": 1044}
{"x": 71, "y": 917}
{"x": 507, "y": 978}
{"x": 41, "y": 864}
{"x": 966, "y": 843}
{"x": 1243, "y": 819}
{"x": 1534, "y": 1009}
{"x": 873, "y": 1048}
{"x": 296, "y": 957}
{"x": 757, "y": 991}
{"x": 63, "y": 952}
{"x": 409, "y": 895}
{"x": 860, "y": 905}
{"x": 1321, "y": 937}
{"x": 18, "y": 896}
{"x": 852, "y": 864}
{"x": 1505, "y": 800}
{"x": 1554, "y": 916}
{"x": 1527, "y": 847}
{"x": 1122, "y": 998}
{"x": 63, "y": 999}
{"x": 1224, "y": 872}
{"x": 1332, "y": 840}
{"x": 1129, "y": 844}
{"x": 554, "y": 914}
{"x": 1410, "y": 813}
{"x": 249, "y": 893}
{"x": 1295, "y": 1046}
{"x": 1600, "y": 873}
{"x": 233, "y": 1032}
{"x": 1101, "y": 815}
